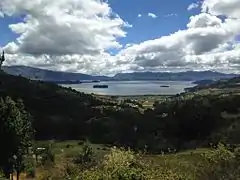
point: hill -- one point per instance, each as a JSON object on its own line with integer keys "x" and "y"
{"x": 232, "y": 83}
{"x": 48, "y": 75}
{"x": 178, "y": 76}
{"x": 57, "y": 76}
{"x": 203, "y": 82}
{"x": 186, "y": 121}
{"x": 58, "y": 112}
{"x": 63, "y": 113}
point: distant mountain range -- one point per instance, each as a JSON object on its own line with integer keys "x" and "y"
{"x": 48, "y": 75}
{"x": 57, "y": 76}
{"x": 177, "y": 76}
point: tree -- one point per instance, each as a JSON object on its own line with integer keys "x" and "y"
{"x": 86, "y": 158}
{"x": 16, "y": 133}
{"x": 2, "y": 59}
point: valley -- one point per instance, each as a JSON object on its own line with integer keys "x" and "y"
{"x": 78, "y": 132}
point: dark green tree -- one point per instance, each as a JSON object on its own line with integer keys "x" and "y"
{"x": 15, "y": 134}
{"x": 2, "y": 59}
{"x": 86, "y": 157}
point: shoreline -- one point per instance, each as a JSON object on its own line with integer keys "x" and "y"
{"x": 146, "y": 95}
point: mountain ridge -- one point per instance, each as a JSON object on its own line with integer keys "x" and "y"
{"x": 174, "y": 76}
{"x": 49, "y": 75}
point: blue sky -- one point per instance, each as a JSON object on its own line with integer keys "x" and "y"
{"x": 144, "y": 28}
{"x": 6, "y": 34}
{"x": 91, "y": 36}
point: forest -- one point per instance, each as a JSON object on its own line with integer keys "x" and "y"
{"x": 114, "y": 140}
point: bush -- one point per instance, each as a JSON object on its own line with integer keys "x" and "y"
{"x": 48, "y": 156}
{"x": 85, "y": 158}
{"x": 71, "y": 170}
{"x": 2, "y": 175}
{"x": 31, "y": 172}
{"x": 30, "y": 167}
{"x": 220, "y": 164}
{"x": 81, "y": 143}
{"x": 119, "y": 164}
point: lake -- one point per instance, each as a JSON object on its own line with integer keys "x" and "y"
{"x": 131, "y": 88}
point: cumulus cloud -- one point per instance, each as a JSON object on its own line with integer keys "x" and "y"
{"x": 64, "y": 27}
{"x": 204, "y": 20}
{"x": 100, "y": 64}
{"x": 152, "y": 15}
{"x": 78, "y": 35}
{"x": 139, "y": 15}
{"x": 229, "y": 8}
{"x": 207, "y": 43}
{"x": 193, "y": 6}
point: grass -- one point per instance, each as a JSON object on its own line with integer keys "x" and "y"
{"x": 187, "y": 165}
{"x": 64, "y": 152}
{"x": 147, "y": 101}
{"x": 71, "y": 148}
{"x": 66, "y": 149}
{"x": 181, "y": 163}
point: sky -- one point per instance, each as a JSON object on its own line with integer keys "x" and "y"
{"x": 106, "y": 37}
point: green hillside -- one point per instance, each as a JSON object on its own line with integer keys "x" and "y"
{"x": 52, "y": 106}
{"x": 62, "y": 113}
{"x": 225, "y": 84}
{"x": 202, "y": 118}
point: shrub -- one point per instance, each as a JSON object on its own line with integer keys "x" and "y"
{"x": 80, "y": 143}
{"x": 2, "y": 175}
{"x": 119, "y": 164}
{"x": 85, "y": 158}
{"x": 220, "y": 164}
{"x": 71, "y": 170}
{"x": 31, "y": 172}
{"x": 30, "y": 167}
{"x": 48, "y": 156}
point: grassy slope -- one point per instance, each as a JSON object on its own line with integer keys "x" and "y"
{"x": 50, "y": 103}
{"x": 43, "y": 98}
{"x": 37, "y": 92}
{"x": 230, "y": 85}
{"x": 182, "y": 163}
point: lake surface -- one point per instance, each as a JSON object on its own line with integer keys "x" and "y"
{"x": 131, "y": 88}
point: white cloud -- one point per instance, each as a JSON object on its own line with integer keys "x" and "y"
{"x": 152, "y": 15}
{"x": 204, "y": 45}
{"x": 100, "y": 64}
{"x": 204, "y": 20}
{"x": 139, "y": 15}
{"x": 65, "y": 26}
{"x": 229, "y": 8}
{"x": 193, "y": 6}
{"x": 128, "y": 45}
{"x": 171, "y": 15}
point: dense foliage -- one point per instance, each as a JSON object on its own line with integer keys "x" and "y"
{"x": 185, "y": 121}
{"x": 15, "y": 135}
{"x": 180, "y": 122}
{"x": 216, "y": 163}
{"x": 58, "y": 112}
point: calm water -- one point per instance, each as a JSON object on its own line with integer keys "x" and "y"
{"x": 130, "y": 88}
